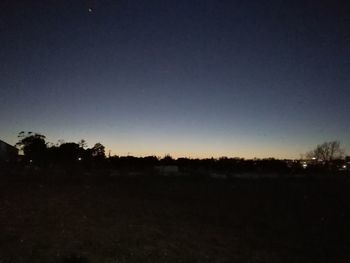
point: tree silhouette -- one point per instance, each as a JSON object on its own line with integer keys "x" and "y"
{"x": 83, "y": 144}
{"x": 167, "y": 160}
{"x": 33, "y": 146}
{"x": 69, "y": 152}
{"x": 327, "y": 151}
{"x": 98, "y": 150}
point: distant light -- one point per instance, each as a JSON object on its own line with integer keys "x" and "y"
{"x": 304, "y": 165}
{"x": 344, "y": 166}
{"x": 79, "y": 158}
{"x": 90, "y": 10}
{"x": 313, "y": 158}
{"x": 30, "y": 161}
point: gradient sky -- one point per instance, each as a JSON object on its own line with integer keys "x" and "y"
{"x": 186, "y": 78}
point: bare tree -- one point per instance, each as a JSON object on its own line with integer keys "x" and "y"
{"x": 327, "y": 151}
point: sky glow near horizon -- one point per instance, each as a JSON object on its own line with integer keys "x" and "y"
{"x": 189, "y": 79}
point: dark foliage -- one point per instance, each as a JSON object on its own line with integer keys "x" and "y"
{"x": 33, "y": 146}
{"x": 77, "y": 157}
{"x": 65, "y": 154}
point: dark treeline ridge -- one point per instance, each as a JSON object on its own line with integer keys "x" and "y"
{"x": 38, "y": 154}
{"x": 230, "y": 167}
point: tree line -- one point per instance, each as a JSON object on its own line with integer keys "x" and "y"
{"x": 38, "y": 152}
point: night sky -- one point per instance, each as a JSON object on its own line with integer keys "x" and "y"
{"x": 185, "y": 78}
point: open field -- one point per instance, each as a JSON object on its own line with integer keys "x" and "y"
{"x": 157, "y": 219}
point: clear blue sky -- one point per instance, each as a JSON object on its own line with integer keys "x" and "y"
{"x": 186, "y": 78}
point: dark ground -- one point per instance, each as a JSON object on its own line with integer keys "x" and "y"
{"x": 176, "y": 220}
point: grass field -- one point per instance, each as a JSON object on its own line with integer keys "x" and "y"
{"x": 153, "y": 219}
